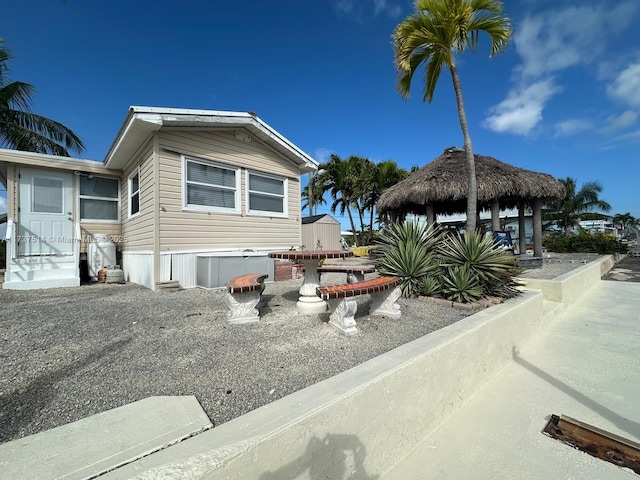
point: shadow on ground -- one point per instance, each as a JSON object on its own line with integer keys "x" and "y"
{"x": 335, "y": 456}
{"x": 18, "y": 408}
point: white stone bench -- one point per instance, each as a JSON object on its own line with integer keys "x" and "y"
{"x": 243, "y": 296}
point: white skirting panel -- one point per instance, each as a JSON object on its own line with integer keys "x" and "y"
{"x": 180, "y": 267}
{"x": 138, "y": 268}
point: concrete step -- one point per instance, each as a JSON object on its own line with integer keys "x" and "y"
{"x": 98, "y": 444}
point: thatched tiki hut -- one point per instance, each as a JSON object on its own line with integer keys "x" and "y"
{"x": 440, "y": 187}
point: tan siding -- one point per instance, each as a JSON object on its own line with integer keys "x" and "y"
{"x": 138, "y": 231}
{"x": 189, "y": 230}
{"x": 224, "y": 147}
{"x": 88, "y": 229}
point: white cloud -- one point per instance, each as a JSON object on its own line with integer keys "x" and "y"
{"x": 321, "y": 155}
{"x": 558, "y": 39}
{"x": 618, "y": 122}
{"x": 521, "y": 111}
{"x": 572, "y": 126}
{"x": 3, "y": 205}
{"x": 384, "y": 7}
{"x": 626, "y": 86}
{"x": 635, "y": 135}
{"x": 554, "y": 40}
{"x": 359, "y": 9}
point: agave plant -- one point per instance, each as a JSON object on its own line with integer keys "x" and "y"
{"x": 408, "y": 250}
{"x": 482, "y": 255}
{"x": 461, "y": 284}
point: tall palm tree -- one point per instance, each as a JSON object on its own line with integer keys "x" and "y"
{"x": 433, "y": 36}
{"x": 21, "y": 129}
{"x": 566, "y": 211}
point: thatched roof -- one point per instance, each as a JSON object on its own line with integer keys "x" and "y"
{"x": 443, "y": 183}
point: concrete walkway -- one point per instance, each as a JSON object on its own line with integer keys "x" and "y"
{"x": 585, "y": 366}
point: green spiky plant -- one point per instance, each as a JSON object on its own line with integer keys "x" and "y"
{"x": 461, "y": 284}
{"x": 408, "y": 251}
{"x": 485, "y": 259}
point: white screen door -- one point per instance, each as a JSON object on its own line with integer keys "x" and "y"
{"x": 46, "y": 206}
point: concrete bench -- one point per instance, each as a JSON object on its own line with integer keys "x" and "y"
{"x": 384, "y": 291}
{"x": 355, "y": 273}
{"x": 243, "y": 296}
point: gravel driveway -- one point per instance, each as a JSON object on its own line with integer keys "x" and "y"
{"x": 73, "y": 352}
{"x": 69, "y": 353}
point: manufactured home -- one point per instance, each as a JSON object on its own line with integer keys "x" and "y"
{"x": 185, "y": 195}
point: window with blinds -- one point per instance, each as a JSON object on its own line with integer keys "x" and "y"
{"x": 211, "y": 186}
{"x": 134, "y": 192}
{"x": 266, "y": 195}
{"x": 99, "y": 199}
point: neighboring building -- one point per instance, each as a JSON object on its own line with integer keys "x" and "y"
{"x": 176, "y": 185}
{"x": 600, "y": 226}
{"x": 321, "y": 232}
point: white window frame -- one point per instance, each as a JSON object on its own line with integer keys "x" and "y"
{"x": 285, "y": 196}
{"x": 130, "y": 194}
{"x": 204, "y": 208}
{"x": 104, "y": 199}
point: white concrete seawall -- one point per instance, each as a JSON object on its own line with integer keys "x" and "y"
{"x": 360, "y": 423}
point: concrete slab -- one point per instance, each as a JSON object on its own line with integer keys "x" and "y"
{"x": 584, "y": 366}
{"x": 97, "y": 444}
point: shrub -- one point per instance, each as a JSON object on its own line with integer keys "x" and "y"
{"x": 584, "y": 242}
{"x": 407, "y": 250}
{"x": 461, "y": 284}
{"x": 460, "y": 268}
{"x": 482, "y": 255}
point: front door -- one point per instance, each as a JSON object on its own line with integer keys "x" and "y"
{"x": 46, "y": 213}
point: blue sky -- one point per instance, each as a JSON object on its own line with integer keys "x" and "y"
{"x": 563, "y": 99}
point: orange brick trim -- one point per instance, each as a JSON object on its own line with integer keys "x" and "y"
{"x": 367, "y": 287}
{"x": 246, "y": 283}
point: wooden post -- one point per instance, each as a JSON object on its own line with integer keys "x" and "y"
{"x": 522, "y": 234}
{"x": 537, "y": 227}
{"x": 495, "y": 215}
{"x": 431, "y": 216}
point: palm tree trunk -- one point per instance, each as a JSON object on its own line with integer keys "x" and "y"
{"x": 472, "y": 194}
{"x": 353, "y": 227}
{"x": 371, "y": 225}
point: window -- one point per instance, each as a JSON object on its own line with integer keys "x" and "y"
{"x": 134, "y": 192}
{"x": 47, "y": 195}
{"x": 99, "y": 198}
{"x": 209, "y": 186}
{"x": 266, "y": 195}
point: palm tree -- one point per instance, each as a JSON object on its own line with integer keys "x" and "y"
{"x": 20, "y": 129}
{"x": 433, "y": 36}
{"x": 382, "y": 176}
{"x": 312, "y": 195}
{"x": 339, "y": 177}
{"x": 625, "y": 220}
{"x": 566, "y": 211}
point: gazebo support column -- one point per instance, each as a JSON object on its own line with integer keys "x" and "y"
{"x": 537, "y": 227}
{"x": 495, "y": 215}
{"x": 431, "y": 215}
{"x": 522, "y": 233}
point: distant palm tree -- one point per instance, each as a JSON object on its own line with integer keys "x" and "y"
{"x": 339, "y": 177}
{"x": 382, "y": 176}
{"x": 625, "y": 220}
{"x": 20, "y": 129}
{"x": 433, "y": 36}
{"x": 312, "y": 195}
{"x": 566, "y": 211}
